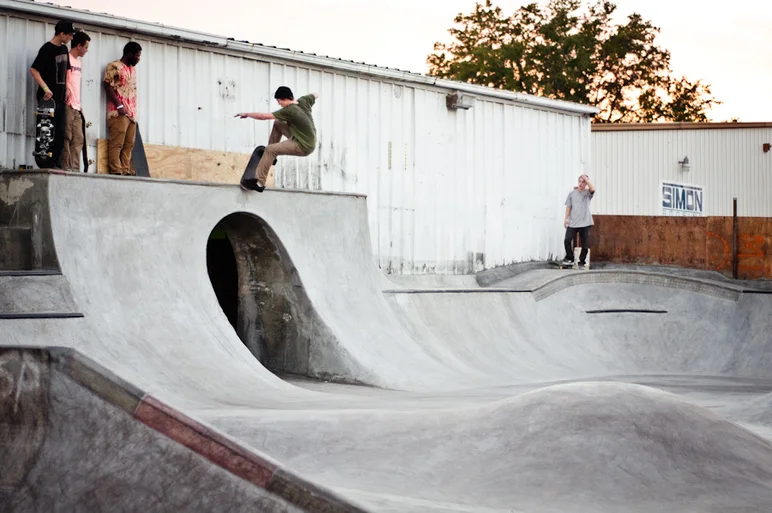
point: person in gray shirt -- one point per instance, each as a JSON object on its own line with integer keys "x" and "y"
{"x": 578, "y": 219}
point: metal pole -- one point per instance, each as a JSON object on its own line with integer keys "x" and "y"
{"x": 734, "y": 238}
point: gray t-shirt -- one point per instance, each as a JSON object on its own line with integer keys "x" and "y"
{"x": 579, "y": 201}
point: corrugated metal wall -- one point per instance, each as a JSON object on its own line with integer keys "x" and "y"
{"x": 448, "y": 191}
{"x": 629, "y": 165}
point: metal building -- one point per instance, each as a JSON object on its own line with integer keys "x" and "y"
{"x": 657, "y": 169}
{"x": 459, "y": 178}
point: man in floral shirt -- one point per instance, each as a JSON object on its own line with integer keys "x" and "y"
{"x": 120, "y": 84}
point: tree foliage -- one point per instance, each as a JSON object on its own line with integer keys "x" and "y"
{"x": 568, "y": 51}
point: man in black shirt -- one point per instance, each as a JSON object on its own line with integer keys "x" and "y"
{"x": 50, "y": 73}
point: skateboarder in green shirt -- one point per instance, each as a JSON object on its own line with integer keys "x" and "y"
{"x": 293, "y": 121}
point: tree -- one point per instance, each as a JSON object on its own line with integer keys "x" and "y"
{"x": 569, "y": 52}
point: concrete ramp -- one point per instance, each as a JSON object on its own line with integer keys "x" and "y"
{"x": 134, "y": 253}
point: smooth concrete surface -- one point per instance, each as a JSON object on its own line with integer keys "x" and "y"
{"x": 480, "y": 399}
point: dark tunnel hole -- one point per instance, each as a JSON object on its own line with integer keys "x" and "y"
{"x": 259, "y": 292}
{"x": 221, "y": 265}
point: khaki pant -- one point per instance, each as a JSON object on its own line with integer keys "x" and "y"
{"x": 122, "y": 132}
{"x": 73, "y": 139}
{"x": 276, "y": 148}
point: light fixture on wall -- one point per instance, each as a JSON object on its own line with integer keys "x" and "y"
{"x": 685, "y": 166}
{"x": 456, "y": 100}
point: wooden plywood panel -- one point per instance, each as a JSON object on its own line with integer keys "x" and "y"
{"x": 754, "y": 248}
{"x": 718, "y": 245}
{"x": 649, "y": 240}
{"x": 177, "y": 163}
{"x": 168, "y": 162}
{"x": 217, "y": 166}
{"x": 101, "y": 157}
{"x": 694, "y": 242}
{"x": 677, "y": 240}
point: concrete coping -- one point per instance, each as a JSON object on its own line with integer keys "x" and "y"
{"x": 100, "y": 176}
{"x": 564, "y": 279}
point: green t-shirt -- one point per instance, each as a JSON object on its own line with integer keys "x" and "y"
{"x": 301, "y": 123}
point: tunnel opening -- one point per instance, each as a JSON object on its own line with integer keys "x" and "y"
{"x": 260, "y": 293}
{"x": 221, "y": 266}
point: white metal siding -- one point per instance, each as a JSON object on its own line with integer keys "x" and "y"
{"x": 448, "y": 191}
{"x": 629, "y": 165}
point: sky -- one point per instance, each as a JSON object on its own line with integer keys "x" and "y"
{"x": 728, "y": 46}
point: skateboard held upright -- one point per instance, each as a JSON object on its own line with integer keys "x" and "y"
{"x": 45, "y": 132}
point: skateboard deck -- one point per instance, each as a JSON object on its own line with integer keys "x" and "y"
{"x": 45, "y": 131}
{"x": 249, "y": 177}
{"x": 575, "y": 264}
{"x": 138, "y": 157}
{"x": 560, "y": 265}
{"x": 250, "y": 172}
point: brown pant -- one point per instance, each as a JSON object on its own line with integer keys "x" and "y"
{"x": 122, "y": 131}
{"x": 73, "y": 139}
{"x": 276, "y": 148}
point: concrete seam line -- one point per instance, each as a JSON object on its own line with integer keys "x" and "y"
{"x": 203, "y": 440}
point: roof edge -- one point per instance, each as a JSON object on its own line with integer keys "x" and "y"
{"x": 634, "y": 127}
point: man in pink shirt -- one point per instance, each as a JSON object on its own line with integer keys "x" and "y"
{"x": 120, "y": 83}
{"x": 75, "y": 131}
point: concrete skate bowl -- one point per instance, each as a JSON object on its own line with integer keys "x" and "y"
{"x": 614, "y": 323}
{"x": 565, "y": 395}
{"x": 612, "y": 397}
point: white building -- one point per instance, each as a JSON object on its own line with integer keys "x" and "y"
{"x": 450, "y": 190}
{"x": 646, "y": 169}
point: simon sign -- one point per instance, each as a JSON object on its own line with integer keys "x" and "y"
{"x": 680, "y": 199}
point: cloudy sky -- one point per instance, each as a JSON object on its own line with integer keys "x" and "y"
{"x": 728, "y": 46}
